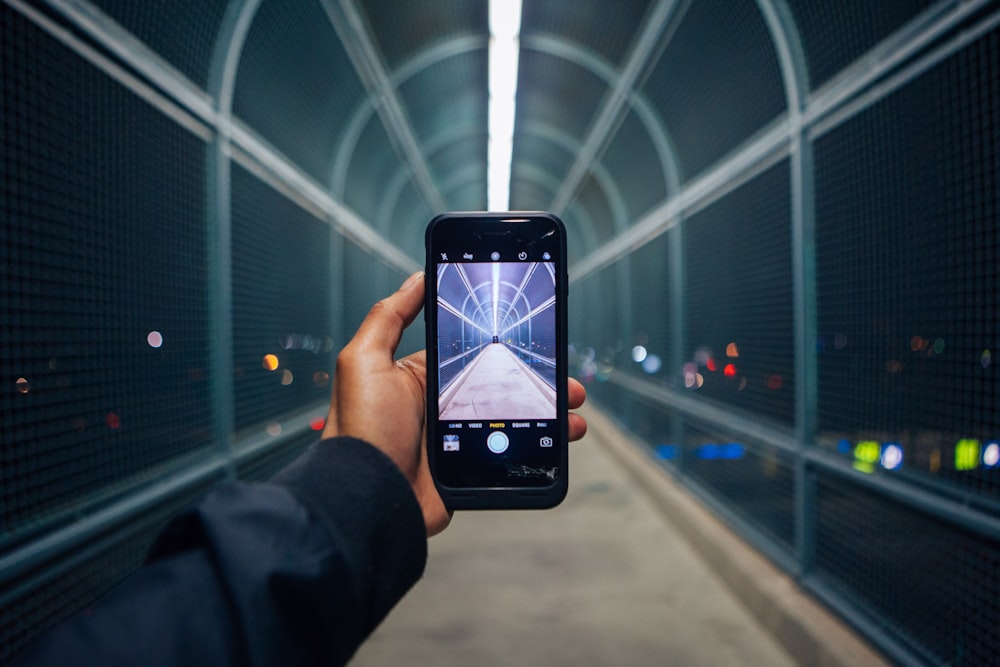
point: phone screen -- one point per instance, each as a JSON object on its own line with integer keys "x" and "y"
{"x": 498, "y": 327}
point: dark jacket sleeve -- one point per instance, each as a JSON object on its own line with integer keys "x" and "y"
{"x": 297, "y": 571}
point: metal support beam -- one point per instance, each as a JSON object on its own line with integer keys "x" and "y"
{"x": 660, "y": 22}
{"x": 350, "y": 27}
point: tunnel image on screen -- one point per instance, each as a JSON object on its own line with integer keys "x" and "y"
{"x": 496, "y": 340}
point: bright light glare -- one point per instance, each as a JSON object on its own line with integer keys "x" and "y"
{"x": 892, "y": 456}
{"x": 505, "y": 27}
{"x": 991, "y": 455}
{"x": 505, "y": 19}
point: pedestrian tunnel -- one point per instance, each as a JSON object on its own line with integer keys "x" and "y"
{"x": 496, "y": 328}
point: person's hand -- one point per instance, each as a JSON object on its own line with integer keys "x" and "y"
{"x": 382, "y": 401}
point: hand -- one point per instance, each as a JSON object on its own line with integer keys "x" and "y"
{"x": 382, "y": 401}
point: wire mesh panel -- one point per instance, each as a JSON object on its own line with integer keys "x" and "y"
{"x": 753, "y": 481}
{"x": 654, "y": 330}
{"x": 373, "y": 160}
{"x": 283, "y": 342}
{"x": 717, "y": 82}
{"x": 608, "y": 34}
{"x": 835, "y": 34}
{"x": 103, "y": 349}
{"x": 404, "y": 29}
{"x": 908, "y": 284}
{"x": 934, "y": 585}
{"x": 298, "y": 106}
{"x": 184, "y": 32}
{"x": 632, "y": 156}
{"x": 655, "y": 424}
{"x": 738, "y": 310}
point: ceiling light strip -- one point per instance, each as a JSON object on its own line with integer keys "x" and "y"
{"x": 504, "y": 53}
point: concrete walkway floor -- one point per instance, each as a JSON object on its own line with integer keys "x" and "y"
{"x": 604, "y": 579}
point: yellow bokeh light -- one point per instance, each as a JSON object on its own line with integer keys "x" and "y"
{"x": 270, "y": 362}
{"x": 867, "y": 451}
{"x": 967, "y": 454}
{"x": 732, "y": 351}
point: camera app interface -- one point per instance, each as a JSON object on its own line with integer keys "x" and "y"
{"x": 496, "y": 323}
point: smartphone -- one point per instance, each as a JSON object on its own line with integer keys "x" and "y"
{"x": 497, "y": 424}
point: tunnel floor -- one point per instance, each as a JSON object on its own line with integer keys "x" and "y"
{"x": 497, "y": 385}
{"x": 604, "y": 579}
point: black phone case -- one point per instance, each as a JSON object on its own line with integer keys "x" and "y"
{"x": 456, "y": 498}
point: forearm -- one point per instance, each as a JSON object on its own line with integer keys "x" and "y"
{"x": 295, "y": 571}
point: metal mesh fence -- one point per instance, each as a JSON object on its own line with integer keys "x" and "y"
{"x": 935, "y": 585}
{"x": 739, "y": 339}
{"x": 283, "y": 342}
{"x": 103, "y": 348}
{"x": 854, "y": 288}
{"x": 834, "y": 35}
{"x": 706, "y": 120}
{"x": 908, "y": 289}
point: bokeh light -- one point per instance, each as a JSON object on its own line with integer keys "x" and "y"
{"x": 892, "y": 456}
{"x": 967, "y": 452}
{"x": 22, "y": 385}
{"x": 991, "y": 454}
{"x": 154, "y": 339}
{"x": 639, "y": 354}
{"x": 652, "y": 364}
{"x": 270, "y": 362}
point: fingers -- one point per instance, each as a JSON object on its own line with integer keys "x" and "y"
{"x": 383, "y": 326}
{"x": 577, "y": 427}
{"x": 577, "y": 394}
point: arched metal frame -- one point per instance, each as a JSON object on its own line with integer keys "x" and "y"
{"x": 221, "y": 86}
{"x": 462, "y": 45}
